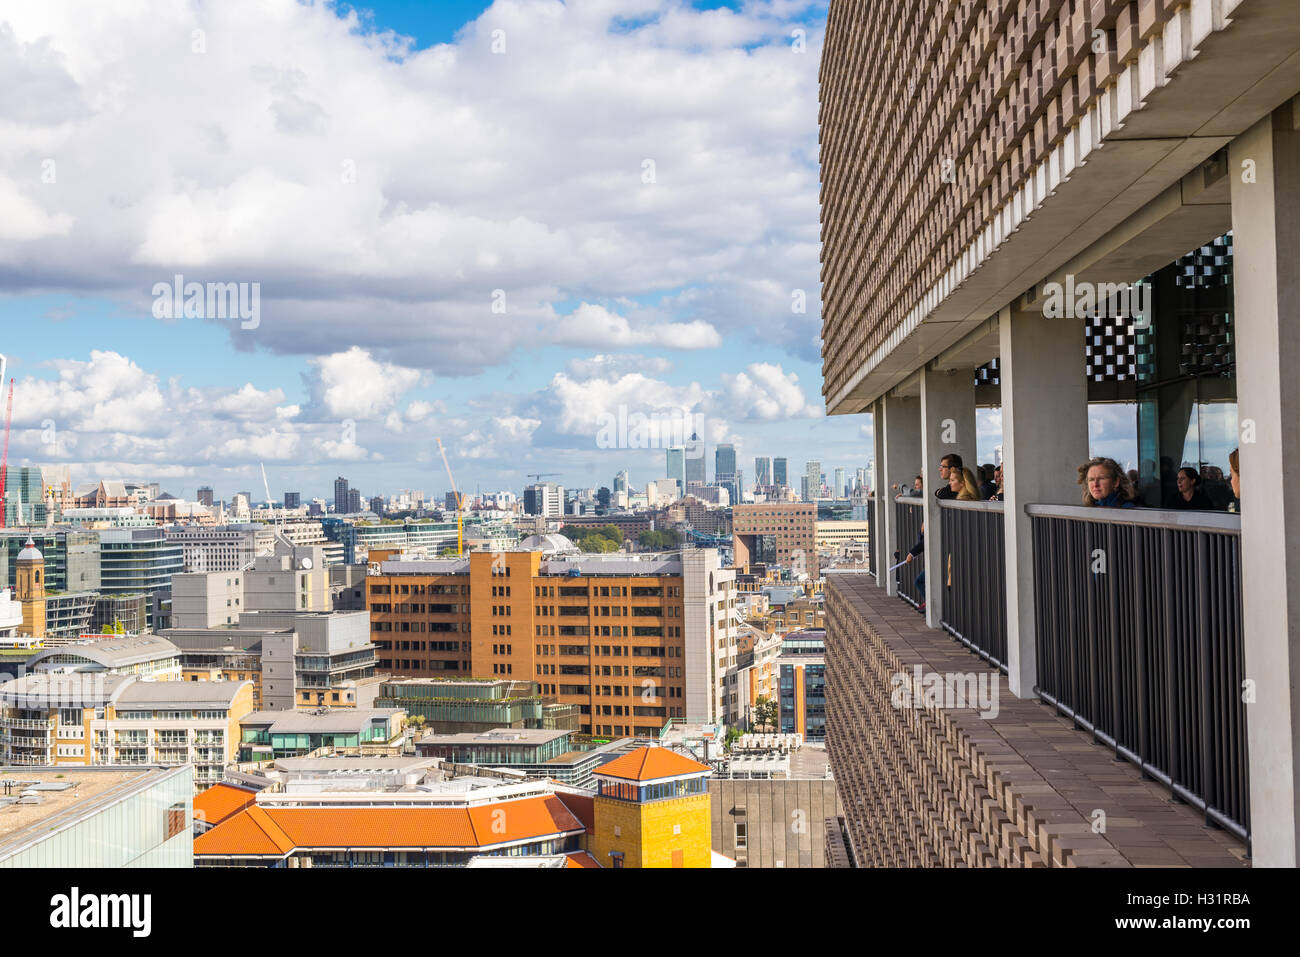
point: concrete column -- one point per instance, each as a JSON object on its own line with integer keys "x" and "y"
{"x": 947, "y": 427}
{"x": 902, "y": 440}
{"x": 879, "y": 489}
{"x": 1264, "y": 166}
{"x": 1044, "y": 441}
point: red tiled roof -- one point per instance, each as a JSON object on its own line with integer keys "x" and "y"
{"x": 650, "y": 764}
{"x": 583, "y": 807}
{"x": 250, "y": 833}
{"x": 580, "y": 859}
{"x": 220, "y": 801}
{"x": 258, "y": 831}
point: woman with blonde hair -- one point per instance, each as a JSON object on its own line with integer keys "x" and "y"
{"x": 1105, "y": 484}
{"x": 968, "y": 490}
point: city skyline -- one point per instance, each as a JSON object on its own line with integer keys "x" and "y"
{"x": 545, "y": 310}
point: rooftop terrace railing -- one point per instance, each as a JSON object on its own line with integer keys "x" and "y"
{"x": 909, "y": 515}
{"x": 974, "y": 607}
{"x": 1138, "y": 625}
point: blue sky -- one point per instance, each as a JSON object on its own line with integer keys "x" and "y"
{"x": 649, "y": 209}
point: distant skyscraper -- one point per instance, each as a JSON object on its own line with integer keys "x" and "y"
{"x": 861, "y": 485}
{"x": 763, "y": 471}
{"x": 724, "y": 470}
{"x": 292, "y": 499}
{"x": 340, "y": 494}
{"x": 724, "y": 462}
{"x": 205, "y": 494}
{"x": 779, "y": 476}
{"x": 695, "y": 467}
{"x": 354, "y": 500}
{"x": 545, "y": 498}
{"x": 677, "y": 466}
{"x": 813, "y": 473}
{"x": 377, "y": 505}
{"x": 839, "y": 491}
{"x": 620, "y": 482}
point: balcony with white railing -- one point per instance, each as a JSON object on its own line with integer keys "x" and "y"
{"x": 32, "y": 724}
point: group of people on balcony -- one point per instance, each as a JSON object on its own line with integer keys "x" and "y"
{"x": 1105, "y": 485}
{"x": 956, "y": 482}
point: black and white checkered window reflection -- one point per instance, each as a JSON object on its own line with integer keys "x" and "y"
{"x": 1207, "y": 339}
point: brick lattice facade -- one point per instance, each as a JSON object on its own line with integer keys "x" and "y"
{"x": 944, "y": 123}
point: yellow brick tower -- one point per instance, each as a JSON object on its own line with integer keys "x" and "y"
{"x": 653, "y": 811}
{"x": 29, "y": 580}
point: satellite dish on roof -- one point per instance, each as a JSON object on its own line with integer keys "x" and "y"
{"x": 305, "y": 563}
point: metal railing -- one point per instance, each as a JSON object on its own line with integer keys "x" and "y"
{"x": 1139, "y": 641}
{"x": 974, "y": 608}
{"x": 871, "y": 539}
{"x": 909, "y": 516}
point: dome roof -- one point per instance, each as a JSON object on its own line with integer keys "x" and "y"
{"x": 550, "y": 544}
{"x": 30, "y": 552}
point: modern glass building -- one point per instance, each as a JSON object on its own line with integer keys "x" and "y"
{"x": 676, "y": 459}
{"x": 801, "y": 698}
{"x": 71, "y": 557}
{"x": 100, "y": 817}
{"x": 288, "y": 734}
{"x": 137, "y": 560}
{"x": 477, "y": 706}
{"x": 357, "y": 540}
{"x": 24, "y": 496}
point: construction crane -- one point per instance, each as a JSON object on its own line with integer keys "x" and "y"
{"x": 460, "y": 547}
{"x": 4, "y": 459}
{"x": 540, "y": 475}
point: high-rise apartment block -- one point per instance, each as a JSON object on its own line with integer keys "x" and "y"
{"x": 340, "y": 494}
{"x": 292, "y": 500}
{"x": 633, "y": 641}
{"x": 205, "y": 495}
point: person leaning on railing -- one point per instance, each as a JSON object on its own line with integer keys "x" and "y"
{"x": 916, "y": 491}
{"x": 1105, "y": 484}
{"x": 999, "y": 476}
